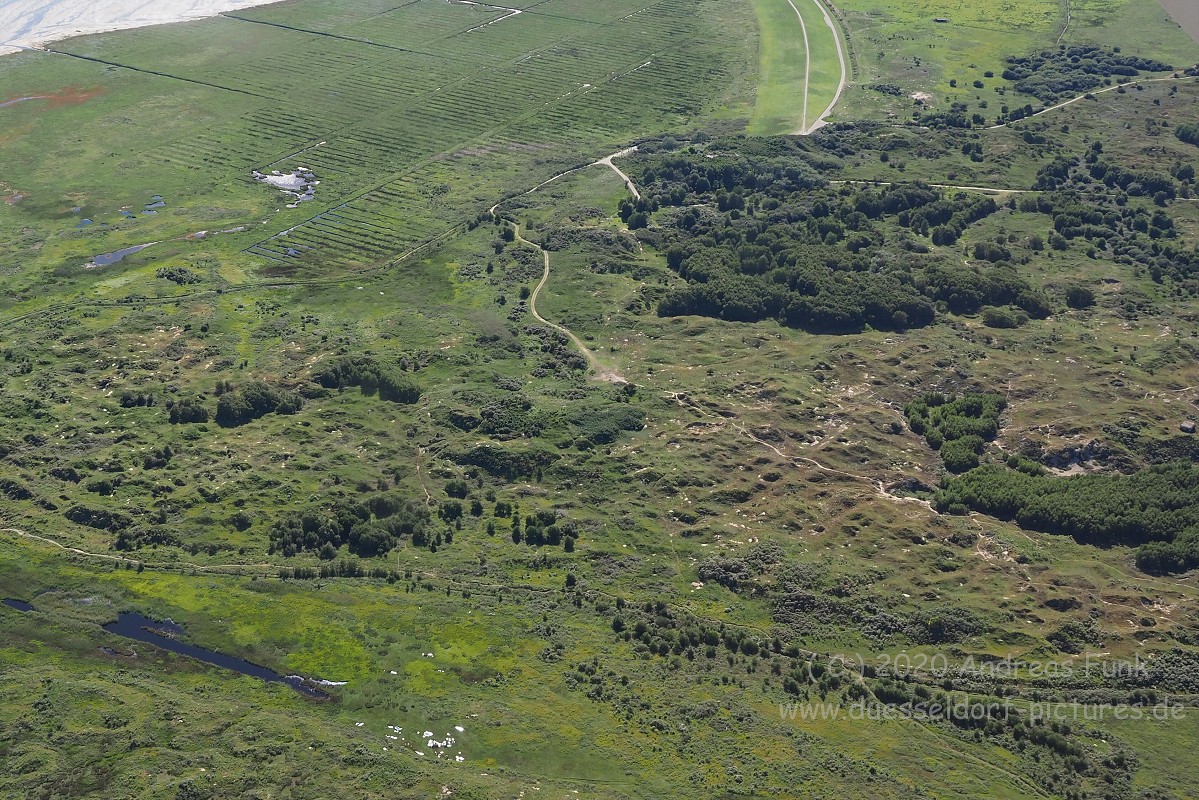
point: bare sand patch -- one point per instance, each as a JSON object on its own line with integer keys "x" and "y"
{"x": 1185, "y": 13}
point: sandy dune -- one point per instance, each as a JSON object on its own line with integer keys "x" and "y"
{"x": 28, "y": 23}
{"x": 1185, "y": 13}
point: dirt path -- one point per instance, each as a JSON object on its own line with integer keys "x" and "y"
{"x": 807, "y": 72}
{"x": 628, "y": 182}
{"x": 601, "y": 372}
{"x": 1094, "y": 93}
{"x": 841, "y": 84}
{"x": 1065, "y": 27}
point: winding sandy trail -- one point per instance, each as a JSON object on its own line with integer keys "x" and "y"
{"x": 601, "y": 372}
{"x": 821, "y": 121}
{"x": 807, "y": 72}
{"x": 1093, "y": 93}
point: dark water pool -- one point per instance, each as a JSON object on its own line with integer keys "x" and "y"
{"x": 162, "y": 634}
{"x": 19, "y": 605}
{"x": 116, "y": 255}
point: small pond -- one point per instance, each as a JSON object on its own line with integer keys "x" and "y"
{"x": 116, "y": 255}
{"x": 163, "y": 634}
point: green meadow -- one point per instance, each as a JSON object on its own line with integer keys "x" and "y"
{"x": 799, "y": 69}
{"x": 336, "y": 441}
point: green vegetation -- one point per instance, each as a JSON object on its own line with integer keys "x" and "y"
{"x": 799, "y": 72}
{"x": 803, "y": 423}
{"x": 1055, "y": 75}
{"x": 1156, "y": 509}
{"x": 787, "y": 246}
{"x": 958, "y": 427}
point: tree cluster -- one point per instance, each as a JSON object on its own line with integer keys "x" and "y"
{"x": 957, "y": 426}
{"x": 1156, "y": 509}
{"x": 1052, "y": 75}
{"x": 370, "y": 375}
{"x": 764, "y": 238}
{"x": 238, "y": 406}
{"x": 372, "y": 527}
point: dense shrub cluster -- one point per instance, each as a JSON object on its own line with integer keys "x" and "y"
{"x": 603, "y": 423}
{"x": 958, "y": 427}
{"x": 372, "y": 527}
{"x": 371, "y": 376}
{"x": 189, "y": 409}
{"x": 14, "y": 490}
{"x": 237, "y": 406}
{"x": 1131, "y": 233}
{"x": 511, "y": 416}
{"x": 1052, "y": 75}
{"x": 544, "y": 527}
{"x": 506, "y": 462}
{"x": 764, "y": 238}
{"x": 137, "y": 538}
{"x": 1156, "y": 509}
{"x": 180, "y": 275}
{"x": 99, "y": 518}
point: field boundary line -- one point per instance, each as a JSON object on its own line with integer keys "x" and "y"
{"x": 150, "y": 72}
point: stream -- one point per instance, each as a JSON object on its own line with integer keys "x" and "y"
{"x": 163, "y": 634}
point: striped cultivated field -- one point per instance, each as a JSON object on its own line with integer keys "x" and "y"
{"x": 413, "y": 116}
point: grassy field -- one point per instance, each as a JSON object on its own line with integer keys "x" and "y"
{"x": 900, "y": 44}
{"x": 752, "y": 443}
{"x": 799, "y": 71}
{"x": 396, "y": 127}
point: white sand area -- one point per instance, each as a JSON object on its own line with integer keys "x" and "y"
{"x": 30, "y": 23}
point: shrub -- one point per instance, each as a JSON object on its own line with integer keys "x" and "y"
{"x": 1080, "y": 297}
{"x": 254, "y": 400}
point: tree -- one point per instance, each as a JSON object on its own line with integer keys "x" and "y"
{"x": 1188, "y": 132}
{"x": 1080, "y": 297}
{"x": 960, "y": 455}
{"x": 188, "y": 410}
